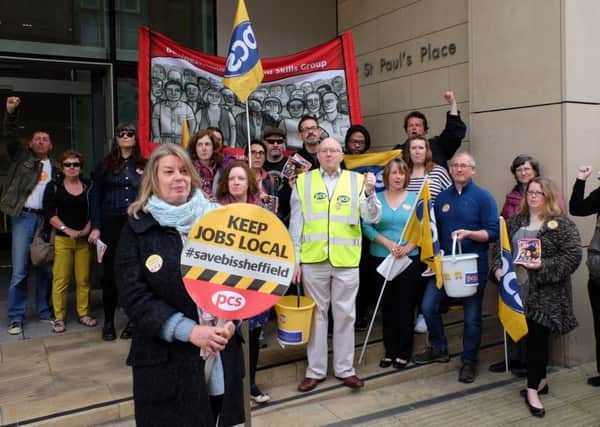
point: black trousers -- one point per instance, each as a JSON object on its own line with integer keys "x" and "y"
{"x": 537, "y": 353}
{"x": 110, "y": 234}
{"x": 253, "y": 350}
{"x": 367, "y": 294}
{"x": 594, "y": 293}
{"x": 398, "y": 304}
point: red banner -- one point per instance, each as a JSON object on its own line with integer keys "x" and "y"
{"x": 177, "y": 84}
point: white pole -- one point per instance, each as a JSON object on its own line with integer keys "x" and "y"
{"x": 505, "y": 353}
{"x": 248, "y": 133}
{"x": 364, "y": 347}
{"x": 503, "y": 330}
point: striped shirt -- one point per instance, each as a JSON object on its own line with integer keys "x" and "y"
{"x": 438, "y": 179}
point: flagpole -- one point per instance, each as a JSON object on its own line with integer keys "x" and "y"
{"x": 248, "y": 134}
{"x": 505, "y": 352}
{"x": 503, "y": 329}
{"x": 364, "y": 347}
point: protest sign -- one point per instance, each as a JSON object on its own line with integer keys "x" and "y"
{"x": 238, "y": 261}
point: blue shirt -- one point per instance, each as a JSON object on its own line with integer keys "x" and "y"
{"x": 391, "y": 225}
{"x": 472, "y": 209}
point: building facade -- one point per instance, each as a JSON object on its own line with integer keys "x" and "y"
{"x": 524, "y": 74}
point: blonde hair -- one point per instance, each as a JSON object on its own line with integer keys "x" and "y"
{"x": 551, "y": 205}
{"x": 149, "y": 185}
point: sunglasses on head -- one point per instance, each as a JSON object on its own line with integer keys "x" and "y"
{"x": 126, "y": 133}
{"x": 71, "y": 164}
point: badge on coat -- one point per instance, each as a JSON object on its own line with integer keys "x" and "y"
{"x": 446, "y": 207}
{"x": 552, "y": 225}
{"x": 154, "y": 263}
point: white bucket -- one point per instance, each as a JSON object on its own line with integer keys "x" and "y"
{"x": 460, "y": 273}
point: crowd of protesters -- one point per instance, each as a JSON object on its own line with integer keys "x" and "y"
{"x": 138, "y": 208}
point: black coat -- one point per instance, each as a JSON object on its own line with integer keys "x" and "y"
{"x": 169, "y": 387}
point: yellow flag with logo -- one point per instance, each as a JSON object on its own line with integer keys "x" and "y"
{"x": 243, "y": 69}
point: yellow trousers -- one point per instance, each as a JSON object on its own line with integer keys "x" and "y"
{"x": 71, "y": 254}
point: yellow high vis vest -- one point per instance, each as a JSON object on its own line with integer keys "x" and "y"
{"x": 331, "y": 225}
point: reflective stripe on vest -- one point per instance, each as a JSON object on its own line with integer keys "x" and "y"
{"x": 331, "y": 224}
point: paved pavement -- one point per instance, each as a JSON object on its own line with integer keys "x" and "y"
{"x": 76, "y": 379}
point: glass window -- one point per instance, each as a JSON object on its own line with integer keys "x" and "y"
{"x": 69, "y": 22}
{"x": 188, "y": 22}
{"x": 79, "y": 28}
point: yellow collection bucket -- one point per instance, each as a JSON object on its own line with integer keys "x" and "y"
{"x": 294, "y": 318}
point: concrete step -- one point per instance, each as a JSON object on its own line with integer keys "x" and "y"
{"x": 79, "y": 380}
{"x": 286, "y": 377}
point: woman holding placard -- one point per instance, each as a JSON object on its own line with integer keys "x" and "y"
{"x": 174, "y": 341}
{"x": 545, "y": 279}
{"x": 401, "y": 293}
{"x": 238, "y": 185}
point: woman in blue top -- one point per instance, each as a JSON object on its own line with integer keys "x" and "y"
{"x": 116, "y": 182}
{"x": 400, "y": 295}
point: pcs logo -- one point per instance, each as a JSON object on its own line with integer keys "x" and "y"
{"x": 243, "y": 52}
{"x": 228, "y": 300}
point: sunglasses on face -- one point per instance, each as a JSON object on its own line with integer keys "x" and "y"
{"x": 274, "y": 141}
{"x": 71, "y": 164}
{"x": 126, "y": 133}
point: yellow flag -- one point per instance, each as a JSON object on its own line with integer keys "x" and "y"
{"x": 421, "y": 230}
{"x": 510, "y": 305}
{"x": 243, "y": 69}
{"x": 185, "y": 134}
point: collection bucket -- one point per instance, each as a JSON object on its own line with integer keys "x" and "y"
{"x": 460, "y": 273}
{"x": 294, "y": 318}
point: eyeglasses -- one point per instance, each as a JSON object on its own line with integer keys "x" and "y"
{"x": 275, "y": 141}
{"x": 257, "y": 153}
{"x": 126, "y": 133}
{"x": 460, "y": 166}
{"x": 357, "y": 141}
{"x": 330, "y": 150}
{"x": 71, "y": 165}
{"x": 535, "y": 193}
{"x": 312, "y": 128}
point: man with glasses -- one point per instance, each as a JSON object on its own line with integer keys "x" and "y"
{"x": 325, "y": 224}
{"x": 468, "y": 212}
{"x": 310, "y": 133}
{"x": 30, "y": 171}
{"x": 275, "y": 143}
{"x": 445, "y": 145}
{"x": 358, "y": 140}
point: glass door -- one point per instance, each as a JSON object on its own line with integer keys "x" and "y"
{"x": 72, "y": 101}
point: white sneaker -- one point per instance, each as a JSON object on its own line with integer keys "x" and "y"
{"x": 258, "y": 396}
{"x": 428, "y": 273}
{"x": 420, "y": 325}
{"x": 15, "y": 328}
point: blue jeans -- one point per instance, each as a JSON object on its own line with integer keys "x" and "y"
{"x": 472, "y": 320}
{"x": 23, "y": 228}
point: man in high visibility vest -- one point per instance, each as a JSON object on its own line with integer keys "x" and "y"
{"x": 326, "y": 207}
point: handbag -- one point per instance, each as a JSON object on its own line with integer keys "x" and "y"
{"x": 593, "y": 260}
{"x": 41, "y": 248}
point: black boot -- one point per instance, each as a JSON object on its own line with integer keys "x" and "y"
{"x": 108, "y": 331}
{"x": 127, "y": 332}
